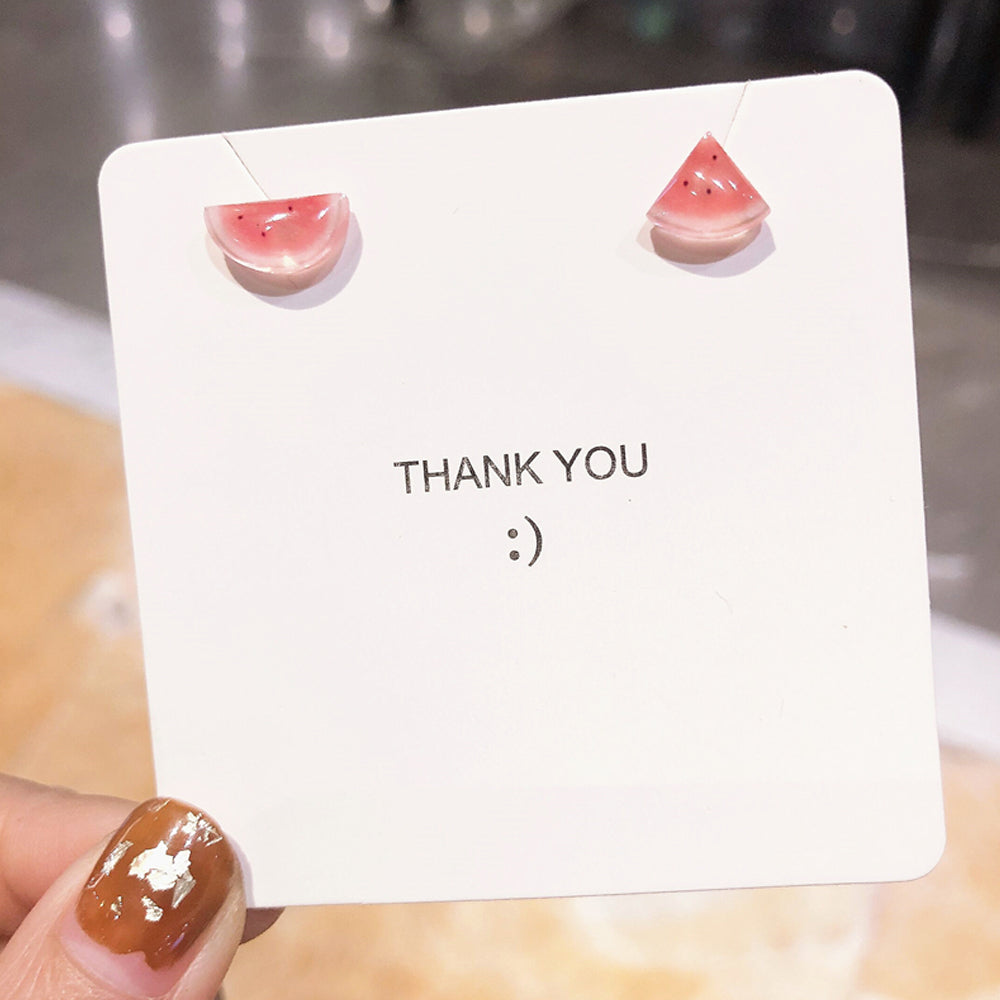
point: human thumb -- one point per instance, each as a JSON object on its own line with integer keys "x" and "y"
{"x": 158, "y": 912}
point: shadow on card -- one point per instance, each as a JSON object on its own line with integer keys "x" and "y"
{"x": 743, "y": 255}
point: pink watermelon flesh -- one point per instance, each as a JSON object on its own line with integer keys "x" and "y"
{"x": 708, "y": 198}
{"x": 282, "y": 237}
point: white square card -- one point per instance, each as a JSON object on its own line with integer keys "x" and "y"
{"x": 707, "y": 664}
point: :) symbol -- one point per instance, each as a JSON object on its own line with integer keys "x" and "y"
{"x": 512, "y": 533}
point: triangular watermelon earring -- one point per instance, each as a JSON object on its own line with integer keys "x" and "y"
{"x": 708, "y": 211}
{"x": 282, "y": 245}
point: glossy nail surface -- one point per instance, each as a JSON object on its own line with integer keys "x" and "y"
{"x": 163, "y": 877}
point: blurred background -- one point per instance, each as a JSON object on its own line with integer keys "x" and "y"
{"x": 80, "y": 77}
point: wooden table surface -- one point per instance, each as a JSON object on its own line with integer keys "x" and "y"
{"x": 73, "y": 712}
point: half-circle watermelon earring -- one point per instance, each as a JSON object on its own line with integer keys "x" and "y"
{"x": 708, "y": 211}
{"x": 281, "y": 245}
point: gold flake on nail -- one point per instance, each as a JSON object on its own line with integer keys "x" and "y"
{"x": 184, "y": 885}
{"x": 114, "y": 856}
{"x": 190, "y": 827}
{"x": 160, "y": 869}
{"x": 198, "y": 828}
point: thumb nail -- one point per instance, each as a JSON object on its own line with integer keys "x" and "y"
{"x": 163, "y": 877}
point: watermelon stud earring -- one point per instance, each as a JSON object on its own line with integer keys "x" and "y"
{"x": 281, "y": 246}
{"x": 708, "y": 211}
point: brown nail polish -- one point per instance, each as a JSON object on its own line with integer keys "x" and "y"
{"x": 163, "y": 877}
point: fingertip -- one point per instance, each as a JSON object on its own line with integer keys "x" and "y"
{"x": 164, "y": 901}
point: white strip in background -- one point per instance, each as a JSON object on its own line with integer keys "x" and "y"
{"x": 966, "y": 684}
{"x": 58, "y": 351}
